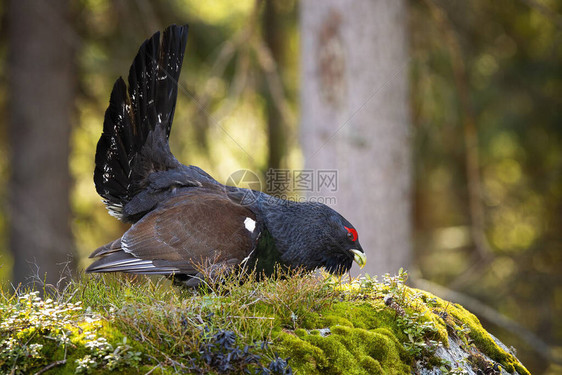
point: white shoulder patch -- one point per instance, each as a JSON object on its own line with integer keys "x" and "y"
{"x": 250, "y": 224}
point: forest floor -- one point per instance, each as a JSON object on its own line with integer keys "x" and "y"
{"x": 289, "y": 323}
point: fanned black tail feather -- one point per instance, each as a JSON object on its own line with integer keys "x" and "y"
{"x": 137, "y": 123}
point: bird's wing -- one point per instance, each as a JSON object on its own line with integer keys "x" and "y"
{"x": 180, "y": 236}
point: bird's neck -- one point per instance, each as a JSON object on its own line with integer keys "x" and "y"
{"x": 266, "y": 256}
{"x": 287, "y": 222}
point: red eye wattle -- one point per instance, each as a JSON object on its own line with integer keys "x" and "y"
{"x": 353, "y": 233}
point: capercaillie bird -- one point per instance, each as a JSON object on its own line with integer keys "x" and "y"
{"x": 181, "y": 216}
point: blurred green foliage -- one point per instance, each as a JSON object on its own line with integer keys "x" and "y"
{"x": 511, "y": 53}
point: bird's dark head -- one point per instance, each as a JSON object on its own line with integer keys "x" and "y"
{"x": 340, "y": 243}
{"x": 313, "y": 235}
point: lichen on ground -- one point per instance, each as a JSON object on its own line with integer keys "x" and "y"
{"x": 289, "y": 323}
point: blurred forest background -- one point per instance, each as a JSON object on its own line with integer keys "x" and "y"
{"x": 485, "y": 82}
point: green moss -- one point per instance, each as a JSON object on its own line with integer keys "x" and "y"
{"x": 371, "y": 365}
{"x": 300, "y": 332}
{"x": 392, "y": 336}
{"x": 302, "y": 353}
{"x": 332, "y": 320}
{"x": 336, "y": 357}
{"x": 346, "y": 350}
{"x": 365, "y": 315}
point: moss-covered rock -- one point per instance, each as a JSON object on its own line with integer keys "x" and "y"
{"x": 298, "y": 324}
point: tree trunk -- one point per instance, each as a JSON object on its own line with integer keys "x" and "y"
{"x": 355, "y": 120}
{"x": 41, "y": 88}
{"x": 274, "y": 37}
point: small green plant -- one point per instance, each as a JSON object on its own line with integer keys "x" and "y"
{"x": 104, "y": 355}
{"x": 31, "y": 327}
{"x": 38, "y": 334}
{"x": 419, "y": 333}
{"x": 395, "y": 286}
{"x": 221, "y": 352}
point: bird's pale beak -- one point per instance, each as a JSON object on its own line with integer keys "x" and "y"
{"x": 359, "y": 257}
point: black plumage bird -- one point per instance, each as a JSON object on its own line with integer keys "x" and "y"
{"x": 181, "y": 217}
